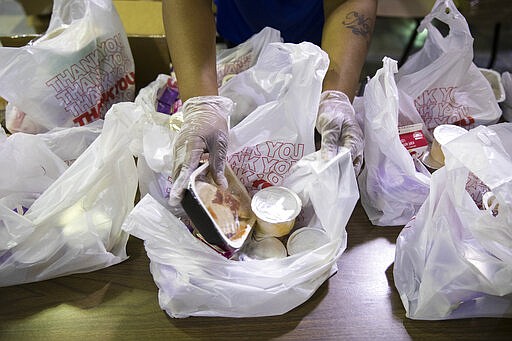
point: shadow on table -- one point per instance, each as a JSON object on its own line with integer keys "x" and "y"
{"x": 84, "y": 291}
{"x": 269, "y": 327}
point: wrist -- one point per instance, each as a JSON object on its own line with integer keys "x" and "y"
{"x": 219, "y": 105}
{"x": 334, "y": 95}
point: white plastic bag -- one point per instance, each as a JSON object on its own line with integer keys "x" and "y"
{"x": 285, "y": 86}
{"x": 272, "y": 145}
{"x": 393, "y": 185}
{"x": 234, "y": 60}
{"x": 454, "y": 260}
{"x": 441, "y": 78}
{"x": 230, "y": 61}
{"x": 57, "y": 220}
{"x": 194, "y": 280}
{"x": 277, "y": 134}
{"x": 72, "y": 74}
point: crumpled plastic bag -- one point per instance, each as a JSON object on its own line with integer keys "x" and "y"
{"x": 441, "y": 79}
{"x": 195, "y": 280}
{"x": 61, "y": 212}
{"x": 393, "y": 184}
{"x": 454, "y": 259}
{"x": 72, "y": 74}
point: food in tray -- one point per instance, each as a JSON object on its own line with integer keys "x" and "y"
{"x": 228, "y": 211}
{"x": 223, "y": 217}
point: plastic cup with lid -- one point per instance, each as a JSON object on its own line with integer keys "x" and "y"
{"x": 306, "y": 239}
{"x": 275, "y": 208}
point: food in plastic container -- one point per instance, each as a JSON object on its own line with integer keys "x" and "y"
{"x": 223, "y": 217}
{"x": 265, "y": 248}
{"x": 276, "y": 208}
{"x": 443, "y": 134}
{"x": 494, "y": 79}
{"x": 3, "y": 104}
{"x": 306, "y": 239}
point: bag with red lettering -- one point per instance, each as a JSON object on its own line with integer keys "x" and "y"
{"x": 441, "y": 78}
{"x": 393, "y": 183}
{"x": 72, "y": 74}
{"x": 273, "y": 145}
{"x": 234, "y": 60}
{"x": 454, "y": 259}
{"x": 278, "y": 132}
{"x": 164, "y": 91}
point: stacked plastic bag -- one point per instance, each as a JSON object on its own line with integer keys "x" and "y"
{"x": 67, "y": 195}
{"x": 66, "y": 183}
{"x": 453, "y": 258}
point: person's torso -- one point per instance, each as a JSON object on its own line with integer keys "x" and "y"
{"x": 297, "y": 20}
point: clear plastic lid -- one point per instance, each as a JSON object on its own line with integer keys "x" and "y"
{"x": 265, "y": 248}
{"x": 306, "y": 239}
{"x": 276, "y": 204}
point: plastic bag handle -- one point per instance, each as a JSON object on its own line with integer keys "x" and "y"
{"x": 446, "y": 12}
{"x": 481, "y": 152}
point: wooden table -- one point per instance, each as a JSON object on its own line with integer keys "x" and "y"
{"x": 121, "y": 303}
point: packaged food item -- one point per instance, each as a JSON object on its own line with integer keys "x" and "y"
{"x": 3, "y": 104}
{"x": 168, "y": 97}
{"x": 413, "y": 139}
{"x": 306, "y": 239}
{"x": 222, "y": 217}
{"x": 276, "y": 208}
{"x": 443, "y": 134}
{"x": 494, "y": 79}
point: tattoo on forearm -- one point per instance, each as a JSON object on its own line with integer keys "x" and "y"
{"x": 359, "y": 24}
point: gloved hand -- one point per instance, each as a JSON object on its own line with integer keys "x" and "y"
{"x": 205, "y": 129}
{"x": 336, "y": 122}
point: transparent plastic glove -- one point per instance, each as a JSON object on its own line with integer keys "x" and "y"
{"x": 204, "y": 129}
{"x": 336, "y": 122}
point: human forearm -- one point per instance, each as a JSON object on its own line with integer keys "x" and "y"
{"x": 346, "y": 38}
{"x": 190, "y": 31}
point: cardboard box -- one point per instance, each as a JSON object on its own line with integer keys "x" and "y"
{"x": 37, "y": 7}
{"x": 3, "y": 103}
{"x": 143, "y": 23}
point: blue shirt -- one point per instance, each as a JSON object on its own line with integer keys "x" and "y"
{"x": 297, "y": 20}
